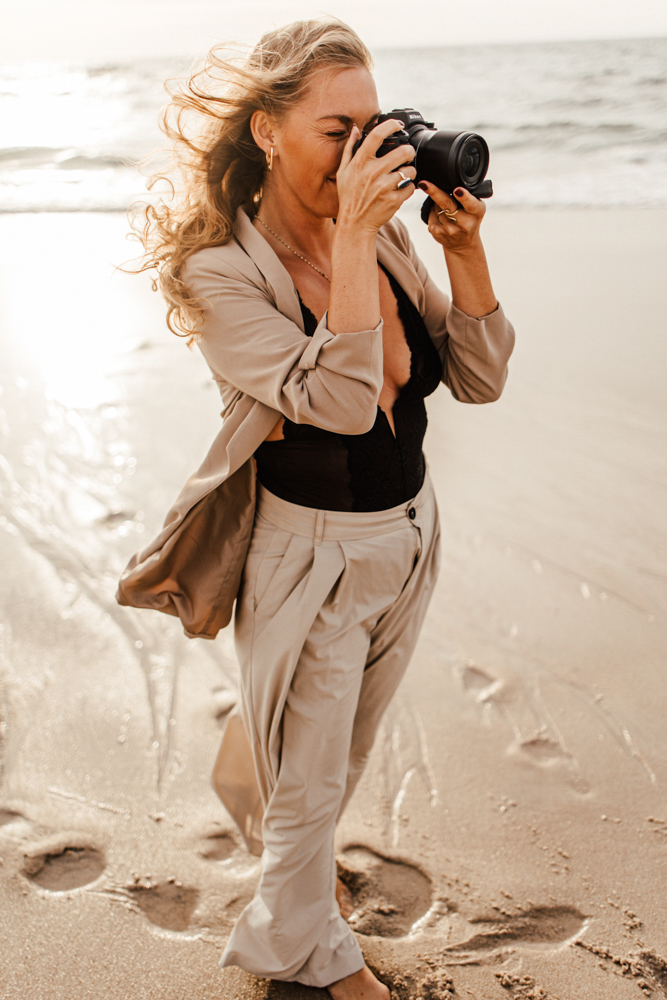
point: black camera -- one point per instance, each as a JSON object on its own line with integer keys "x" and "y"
{"x": 446, "y": 159}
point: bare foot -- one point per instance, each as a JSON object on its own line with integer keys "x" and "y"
{"x": 344, "y": 900}
{"x": 361, "y": 986}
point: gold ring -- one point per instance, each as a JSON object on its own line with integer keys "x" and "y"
{"x": 450, "y": 215}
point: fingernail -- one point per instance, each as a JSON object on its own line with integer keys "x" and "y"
{"x": 459, "y": 192}
{"x": 422, "y": 186}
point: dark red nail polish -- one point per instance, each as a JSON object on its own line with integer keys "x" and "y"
{"x": 421, "y": 186}
{"x": 459, "y": 192}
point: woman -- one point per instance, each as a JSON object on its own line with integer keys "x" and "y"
{"x": 324, "y": 333}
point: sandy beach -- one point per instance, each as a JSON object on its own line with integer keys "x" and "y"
{"x": 509, "y": 838}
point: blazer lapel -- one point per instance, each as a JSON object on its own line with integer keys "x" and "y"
{"x": 282, "y": 287}
{"x": 268, "y": 263}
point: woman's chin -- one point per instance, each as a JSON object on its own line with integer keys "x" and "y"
{"x": 331, "y": 199}
{"x": 323, "y": 203}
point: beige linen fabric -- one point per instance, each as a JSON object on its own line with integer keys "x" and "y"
{"x": 265, "y": 366}
{"x": 329, "y": 611}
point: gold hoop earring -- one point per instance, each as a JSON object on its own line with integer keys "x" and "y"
{"x": 269, "y": 159}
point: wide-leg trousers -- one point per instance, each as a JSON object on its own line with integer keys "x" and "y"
{"x": 329, "y": 611}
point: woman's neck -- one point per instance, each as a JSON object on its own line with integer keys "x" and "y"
{"x": 309, "y": 234}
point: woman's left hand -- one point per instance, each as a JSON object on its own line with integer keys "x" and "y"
{"x": 459, "y": 234}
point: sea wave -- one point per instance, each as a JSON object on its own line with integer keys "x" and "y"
{"x": 60, "y": 159}
{"x": 568, "y": 124}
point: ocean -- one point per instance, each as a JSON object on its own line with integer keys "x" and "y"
{"x": 568, "y": 123}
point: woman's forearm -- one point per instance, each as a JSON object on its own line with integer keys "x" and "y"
{"x": 354, "y": 303}
{"x": 472, "y": 291}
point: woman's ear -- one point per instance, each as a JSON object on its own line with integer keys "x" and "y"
{"x": 261, "y": 129}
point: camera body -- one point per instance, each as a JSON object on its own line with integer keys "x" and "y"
{"x": 446, "y": 159}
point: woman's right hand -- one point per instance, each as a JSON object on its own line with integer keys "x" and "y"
{"x": 368, "y": 194}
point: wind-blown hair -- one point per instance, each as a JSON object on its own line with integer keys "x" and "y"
{"x": 217, "y": 166}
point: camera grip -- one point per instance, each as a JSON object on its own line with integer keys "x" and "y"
{"x": 426, "y": 208}
{"x": 481, "y": 190}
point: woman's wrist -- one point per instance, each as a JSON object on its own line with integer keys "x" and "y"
{"x": 472, "y": 291}
{"x": 355, "y": 298}
{"x": 472, "y": 252}
{"x": 348, "y": 233}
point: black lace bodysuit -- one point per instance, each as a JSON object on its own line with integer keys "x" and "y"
{"x": 359, "y": 472}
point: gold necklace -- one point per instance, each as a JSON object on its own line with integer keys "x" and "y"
{"x": 292, "y": 250}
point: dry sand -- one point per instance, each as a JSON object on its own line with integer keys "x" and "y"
{"x": 509, "y": 838}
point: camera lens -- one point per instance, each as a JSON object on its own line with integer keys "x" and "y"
{"x": 470, "y": 161}
{"x": 450, "y": 159}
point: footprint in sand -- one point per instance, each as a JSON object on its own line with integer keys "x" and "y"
{"x": 166, "y": 904}
{"x": 541, "y": 749}
{"x": 480, "y": 684}
{"x": 540, "y": 929}
{"x": 388, "y": 896}
{"x": 6, "y": 816}
{"x": 218, "y": 847}
{"x": 60, "y": 869}
{"x": 57, "y": 862}
{"x": 223, "y": 701}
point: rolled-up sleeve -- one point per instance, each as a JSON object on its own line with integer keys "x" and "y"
{"x": 474, "y": 351}
{"x": 332, "y": 382}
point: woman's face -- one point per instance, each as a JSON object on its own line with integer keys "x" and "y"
{"x": 309, "y": 141}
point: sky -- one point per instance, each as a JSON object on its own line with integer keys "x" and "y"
{"x": 101, "y": 30}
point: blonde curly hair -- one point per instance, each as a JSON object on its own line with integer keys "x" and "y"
{"x": 217, "y": 166}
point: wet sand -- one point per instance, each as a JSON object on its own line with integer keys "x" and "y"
{"x": 509, "y": 839}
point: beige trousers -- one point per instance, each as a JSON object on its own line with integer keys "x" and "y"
{"x": 329, "y": 611}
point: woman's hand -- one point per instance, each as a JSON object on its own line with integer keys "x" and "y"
{"x": 472, "y": 291}
{"x": 368, "y": 194}
{"x": 460, "y": 234}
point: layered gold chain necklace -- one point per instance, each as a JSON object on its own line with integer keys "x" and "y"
{"x": 292, "y": 250}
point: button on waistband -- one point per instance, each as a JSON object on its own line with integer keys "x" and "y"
{"x": 412, "y": 513}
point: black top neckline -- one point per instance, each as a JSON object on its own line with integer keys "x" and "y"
{"x": 406, "y": 314}
{"x": 374, "y": 470}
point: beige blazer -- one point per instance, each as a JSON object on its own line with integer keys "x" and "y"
{"x": 254, "y": 342}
